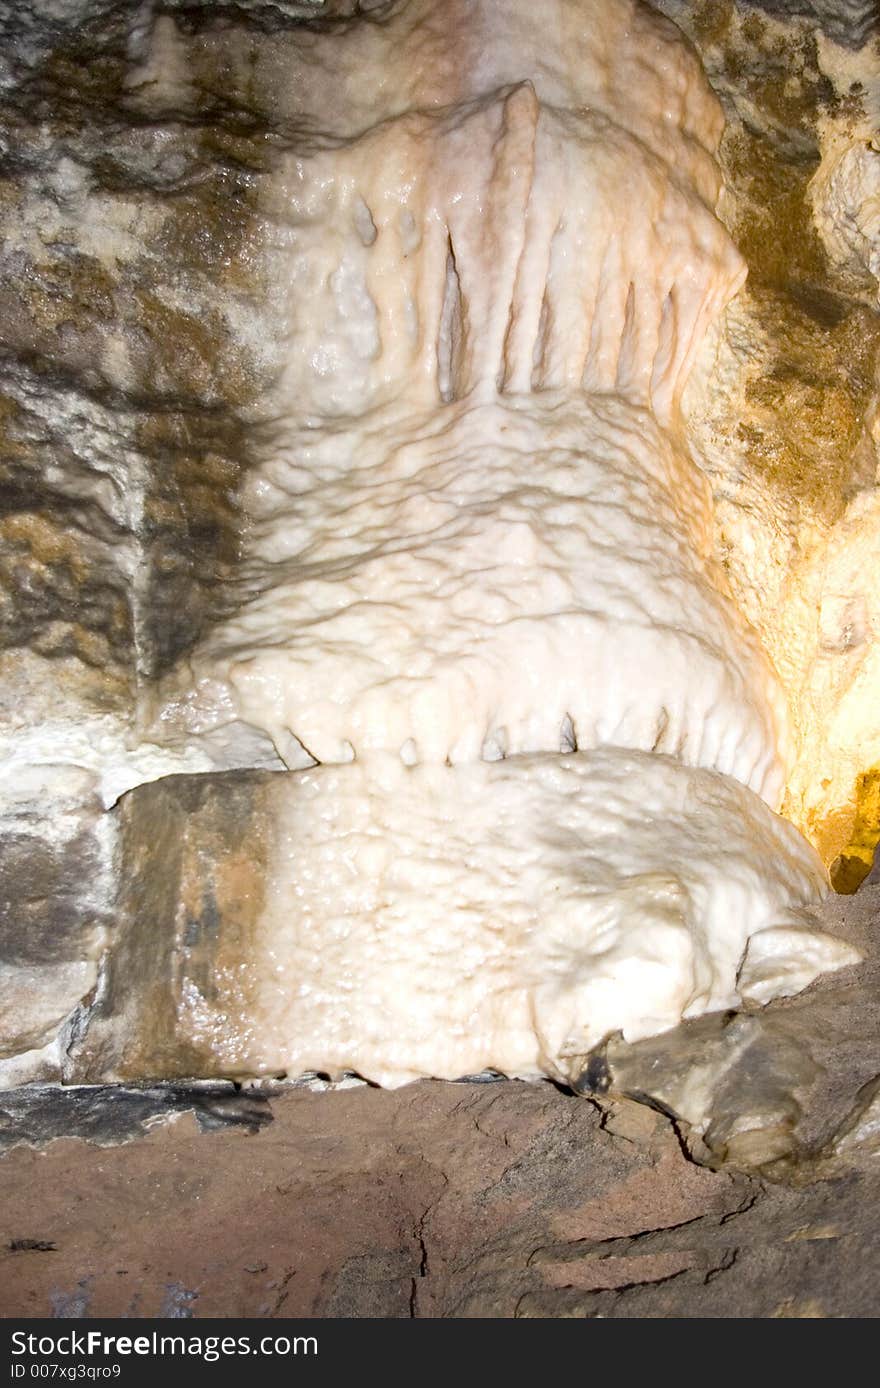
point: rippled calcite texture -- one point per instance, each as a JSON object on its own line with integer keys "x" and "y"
{"x": 445, "y": 528}
{"x": 497, "y": 577}
{"x": 478, "y": 537}
{"x": 432, "y": 920}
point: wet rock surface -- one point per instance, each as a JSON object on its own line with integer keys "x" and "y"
{"x": 35, "y": 1115}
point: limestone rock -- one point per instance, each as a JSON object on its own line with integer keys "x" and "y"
{"x": 125, "y": 356}
{"x": 56, "y": 889}
{"x": 128, "y": 351}
{"x": 783, "y": 406}
{"x": 179, "y": 979}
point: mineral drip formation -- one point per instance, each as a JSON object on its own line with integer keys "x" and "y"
{"x": 533, "y": 750}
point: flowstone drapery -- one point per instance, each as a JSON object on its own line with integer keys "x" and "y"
{"x": 493, "y": 755}
{"x": 479, "y": 569}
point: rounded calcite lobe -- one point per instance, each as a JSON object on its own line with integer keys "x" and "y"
{"x": 435, "y": 920}
{"x": 523, "y": 575}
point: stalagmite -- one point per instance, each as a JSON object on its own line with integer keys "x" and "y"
{"x": 379, "y": 702}
{"x": 477, "y": 536}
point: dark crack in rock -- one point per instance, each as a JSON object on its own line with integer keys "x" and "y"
{"x": 107, "y": 1115}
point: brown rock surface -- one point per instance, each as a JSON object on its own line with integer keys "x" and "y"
{"x": 502, "y": 1200}
{"x": 784, "y": 407}
{"x": 120, "y": 373}
{"x": 176, "y": 989}
{"x": 55, "y": 896}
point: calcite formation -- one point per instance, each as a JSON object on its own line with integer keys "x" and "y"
{"x": 486, "y": 579}
{"x": 522, "y": 741}
{"x": 398, "y": 921}
{"x": 478, "y": 536}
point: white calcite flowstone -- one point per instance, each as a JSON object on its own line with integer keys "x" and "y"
{"x": 478, "y": 574}
{"x": 495, "y": 577}
{"x": 533, "y": 748}
{"x": 401, "y": 921}
{"x": 439, "y": 921}
{"x": 475, "y": 530}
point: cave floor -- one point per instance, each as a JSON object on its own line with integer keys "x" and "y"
{"x": 473, "y": 1199}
